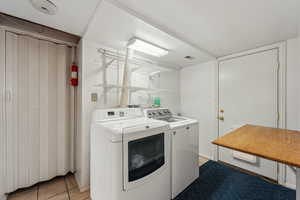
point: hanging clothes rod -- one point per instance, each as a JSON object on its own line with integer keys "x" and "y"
{"x": 134, "y": 60}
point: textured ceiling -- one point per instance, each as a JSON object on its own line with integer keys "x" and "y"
{"x": 73, "y": 16}
{"x": 113, "y": 27}
{"x": 217, "y": 27}
{"x": 222, "y": 27}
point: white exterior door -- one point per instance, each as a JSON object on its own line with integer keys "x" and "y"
{"x": 248, "y": 94}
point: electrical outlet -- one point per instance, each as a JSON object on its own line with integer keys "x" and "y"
{"x": 94, "y": 97}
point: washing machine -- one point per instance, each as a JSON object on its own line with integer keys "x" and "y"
{"x": 130, "y": 156}
{"x": 184, "y": 147}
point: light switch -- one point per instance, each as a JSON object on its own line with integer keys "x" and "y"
{"x": 94, "y": 97}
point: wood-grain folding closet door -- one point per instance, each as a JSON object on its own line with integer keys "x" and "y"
{"x": 38, "y": 137}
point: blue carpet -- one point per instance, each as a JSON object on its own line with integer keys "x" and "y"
{"x": 220, "y": 182}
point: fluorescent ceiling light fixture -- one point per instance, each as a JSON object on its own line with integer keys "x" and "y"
{"x": 146, "y": 47}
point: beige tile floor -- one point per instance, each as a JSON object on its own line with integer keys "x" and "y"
{"x": 60, "y": 188}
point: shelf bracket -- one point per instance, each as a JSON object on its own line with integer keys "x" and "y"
{"x": 109, "y": 63}
{"x": 104, "y": 76}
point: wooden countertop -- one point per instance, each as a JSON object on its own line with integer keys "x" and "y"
{"x": 271, "y": 143}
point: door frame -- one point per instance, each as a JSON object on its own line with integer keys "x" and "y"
{"x": 2, "y": 115}
{"x": 281, "y": 47}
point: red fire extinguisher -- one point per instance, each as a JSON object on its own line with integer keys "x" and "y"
{"x": 74, "y": 75}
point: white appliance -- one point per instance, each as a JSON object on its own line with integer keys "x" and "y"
{"x": 185, "y": 142}
{"x": 130, "y": 156}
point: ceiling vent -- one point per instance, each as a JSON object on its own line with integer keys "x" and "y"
{"x": 189, "y": 57}
{"x": 45, "y": 6}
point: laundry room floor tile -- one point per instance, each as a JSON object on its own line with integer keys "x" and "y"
{"x": 51, "y": 188}
{"x": 24, "y": 194}
{"x": 63, "y": 196}
{"x": 75, "y": 194}
{"x": 60, "y": 188}
{"x": 71, "y": 182}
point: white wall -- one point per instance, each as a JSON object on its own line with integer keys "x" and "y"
{"x": 198, "y": 100}
{"x": 78, "y": 111}
{"x": 170, "y": 81}
{"x": 90, "y": 75}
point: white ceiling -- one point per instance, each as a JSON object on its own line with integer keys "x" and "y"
{"x": 219, "y": 27}
{"x": 113, "y": 27}
{"x": 222, "y": 27}
{"x": 73, "y": 15}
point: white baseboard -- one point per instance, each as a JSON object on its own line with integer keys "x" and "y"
{"x": 205, "y": 156}
{"x": 84, "y": 188}
{"x": 290, "y": 185}
{"x": 3, "y": 197}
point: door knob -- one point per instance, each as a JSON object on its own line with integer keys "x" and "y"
{"x": 221, "y": 118}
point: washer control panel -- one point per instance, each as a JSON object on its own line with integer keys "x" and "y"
{"x": 117, "y": 113}
{"x": 158, "y": 113}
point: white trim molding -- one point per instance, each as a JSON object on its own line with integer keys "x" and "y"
{"x": 36, "y": 35}
{"x": 2, "y": 116}
{"x": 216, "y": 109}
{"x": 84, "y": 188}
{"x": 3, "y": 197}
